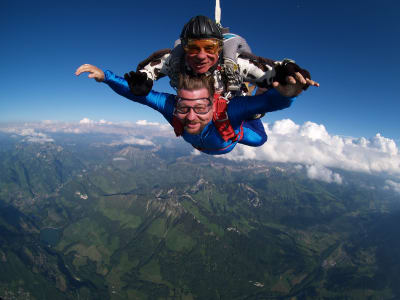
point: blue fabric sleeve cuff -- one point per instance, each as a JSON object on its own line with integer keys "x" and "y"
{"x": 274, "y": 92}
{"x": 107, "y": 76}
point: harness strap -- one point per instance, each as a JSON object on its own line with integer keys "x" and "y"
{"x": 221, "y": 119}
{"x": 177, "y": 125}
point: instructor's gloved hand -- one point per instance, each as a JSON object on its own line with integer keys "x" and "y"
{"x": 286, "y": 73}
{"x": 138, "y": 83}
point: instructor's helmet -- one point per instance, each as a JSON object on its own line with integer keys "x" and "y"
{"x": 200, "y": 27}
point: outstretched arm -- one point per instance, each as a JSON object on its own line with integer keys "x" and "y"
{"x": 162, "y": 102}
{"x": 280, "y": 97}
{"x": 240, "y": 109}
{"x": 265, "y": 73}
{"x": 118, "y": 84}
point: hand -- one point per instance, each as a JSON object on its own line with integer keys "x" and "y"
{"x": 138, "y": 83}
{"x": 289, "y": 73}
{"x": 295, "y": 85}
{"x": 94, "y": 71}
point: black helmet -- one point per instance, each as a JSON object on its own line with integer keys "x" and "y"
{"x": 200, "y": 27}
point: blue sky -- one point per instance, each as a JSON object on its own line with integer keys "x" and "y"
{"x": 351, "y": 47}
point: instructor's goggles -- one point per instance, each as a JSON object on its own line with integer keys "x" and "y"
{"x": 210, "y": 46}
{"x": 200, "y": 109}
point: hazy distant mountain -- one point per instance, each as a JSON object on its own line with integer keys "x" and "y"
{"x": 91, "y": 216}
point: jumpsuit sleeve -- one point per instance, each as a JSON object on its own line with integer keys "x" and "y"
{"x": 162, "y": 102}
{"x": 243, "y": 108}
{"x": 257, "y": 70}
{"x": 156, "y": 65}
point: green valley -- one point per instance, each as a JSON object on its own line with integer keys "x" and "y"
{"x": 89, "y": 219}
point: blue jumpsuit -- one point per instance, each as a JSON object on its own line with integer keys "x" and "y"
{"x": 240, "y": 110}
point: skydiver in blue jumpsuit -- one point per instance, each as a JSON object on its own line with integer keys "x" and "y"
{"x": 198, "y": 129}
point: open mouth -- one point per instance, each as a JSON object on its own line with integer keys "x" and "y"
{"x": 200, "y": 65}
{"x": 192, "y": 125}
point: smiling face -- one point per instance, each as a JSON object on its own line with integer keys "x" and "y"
{"x": 202, "y": 54}
{"x": 189, "y": 101}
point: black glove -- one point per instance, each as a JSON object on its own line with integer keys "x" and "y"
{"x": 289, "y": 69}
{"x": 138, "y": 83}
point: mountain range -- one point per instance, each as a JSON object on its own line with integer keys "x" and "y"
{"x": 85, "y": 217}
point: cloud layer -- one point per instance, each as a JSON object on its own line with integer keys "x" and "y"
{"x": 32, "y": 136}
{"x": 392, "y": 185}
{"x": 87, "y": 125}
{"x": 319, "y": 172}
{"x": 136, "y": 141}
{"x": 310, "y": 144}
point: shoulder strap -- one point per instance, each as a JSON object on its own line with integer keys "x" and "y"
{"x": 221, "y": 119}
{"x": 177, "y": 125}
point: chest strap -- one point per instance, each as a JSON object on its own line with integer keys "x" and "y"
{"x": 177, "y": 125}
{"x": 221, "y": 119}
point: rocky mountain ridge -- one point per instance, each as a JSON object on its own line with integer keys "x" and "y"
{"x": 77, "y": 222}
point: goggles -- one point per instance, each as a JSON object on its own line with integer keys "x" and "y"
{"x": 210, "y": 46}
{"x": 200, "y": 109}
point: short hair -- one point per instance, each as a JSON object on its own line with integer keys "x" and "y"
{"x": 191, "y": 83}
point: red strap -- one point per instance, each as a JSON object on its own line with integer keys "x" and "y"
{"x": 177, "y": 125}
{"x": 221, "y": 119}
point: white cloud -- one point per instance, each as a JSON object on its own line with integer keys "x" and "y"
{"x": 40, "y": 140}
{"x": 319, "y": 172}
{"x": 104, "y": 122}
{"x": 27, "y": 132}
{"x": 146, "y": 123}
{"x": 32, "y": 136}
{"x": 87, "y": 125}
{"x": 392, "y": 185}
{"x": 381, "y": 144}
{"x": 195, "y": 152}
{"x": 73, "y": 130}
{"x": 136, "y": 141}
{"x": 311, "y": 144}
{"x": 161, "y": 127}
{"x": 86, "y": 121}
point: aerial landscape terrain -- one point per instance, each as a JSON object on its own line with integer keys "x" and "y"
{"x": 100, "y": 200}
{"x": 97, "y": 216}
